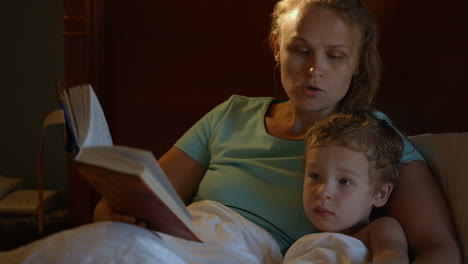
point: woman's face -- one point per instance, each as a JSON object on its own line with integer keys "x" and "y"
{"x": 319, "y": 53}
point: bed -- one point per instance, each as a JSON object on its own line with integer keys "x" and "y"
{"x": 447, "y": 157}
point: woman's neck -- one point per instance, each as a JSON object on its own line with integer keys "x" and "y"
{"x": 286, "y": 121}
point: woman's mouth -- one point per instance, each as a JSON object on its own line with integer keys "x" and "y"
{"x": 312, "y": 91}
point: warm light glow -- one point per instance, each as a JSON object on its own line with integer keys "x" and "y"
{"x": 294, "y": 14}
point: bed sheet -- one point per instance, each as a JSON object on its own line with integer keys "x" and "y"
{"x": 228, "y": 238}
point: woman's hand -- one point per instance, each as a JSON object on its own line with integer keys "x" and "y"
{"x": 104, "y": 212}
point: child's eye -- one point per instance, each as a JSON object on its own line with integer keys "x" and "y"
{"x": 314, "y": 176}
{"x": 345, "y": 182}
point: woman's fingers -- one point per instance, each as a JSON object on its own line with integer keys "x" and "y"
{"x": 104, "y": 212}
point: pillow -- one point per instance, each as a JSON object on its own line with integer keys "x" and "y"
{"x": 8, "y": 185}
{"x": 447, "y": 157}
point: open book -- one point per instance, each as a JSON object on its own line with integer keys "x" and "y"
{"x": 129, "y": 179}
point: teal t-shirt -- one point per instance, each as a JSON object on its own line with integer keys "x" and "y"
{"x": 258, "y": 175}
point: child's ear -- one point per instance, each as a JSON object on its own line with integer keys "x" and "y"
{"x": 381, "y": 196}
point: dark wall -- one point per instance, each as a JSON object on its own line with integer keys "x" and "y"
{"x": 31, "y": 60}
{"x": 424, "y": 50}
{"x": 169, "y": 64}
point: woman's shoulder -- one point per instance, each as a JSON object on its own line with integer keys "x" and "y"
{"x": 247, "y": 100}
{"x": 410, "y": 153}
{"x": 238, "y": 107}
{"x": 241, "y": 103}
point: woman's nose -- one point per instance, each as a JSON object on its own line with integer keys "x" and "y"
{"x": 315, "y": 72}
{"x": 316, "y": 67}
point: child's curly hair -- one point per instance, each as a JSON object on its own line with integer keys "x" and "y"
{"x": 362, "y": 131}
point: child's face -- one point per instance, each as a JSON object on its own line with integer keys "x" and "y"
{"x": 338, "y": 196}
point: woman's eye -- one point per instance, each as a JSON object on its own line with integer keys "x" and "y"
{"x": 302, "y": 52}
{"x": 299, "y": 49}
{"x": 345, "y": 182}
{"x": 336, "y": 56}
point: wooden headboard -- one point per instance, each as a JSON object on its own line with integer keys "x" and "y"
{"x": 158, "y": 66}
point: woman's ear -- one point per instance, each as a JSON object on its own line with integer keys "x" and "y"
{"x": 276, "y": 50}
{"x": 382, "y": 195}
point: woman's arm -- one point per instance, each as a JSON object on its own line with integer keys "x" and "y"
{"x": 387, "y": 242}
{"x": 183, "y": 172}
{"x": 419, "y": 205}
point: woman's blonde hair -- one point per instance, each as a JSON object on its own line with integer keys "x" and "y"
{"x": 365, "y": 83}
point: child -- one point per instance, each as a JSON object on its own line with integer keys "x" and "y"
{"x": 352, "y": 163}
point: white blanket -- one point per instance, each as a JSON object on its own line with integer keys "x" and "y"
{"x": 327, "y": 248}
{"x": 228, "y": 238}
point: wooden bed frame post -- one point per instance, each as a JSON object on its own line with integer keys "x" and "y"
{"x": 84, "y": 41}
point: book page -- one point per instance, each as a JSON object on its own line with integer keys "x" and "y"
{"x": 79, "y": 102}
{"x": 86, "y": 117}
{"x": 97, "y": 133}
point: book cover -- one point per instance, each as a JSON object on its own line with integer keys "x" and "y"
{"x": 130, "y": 179}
